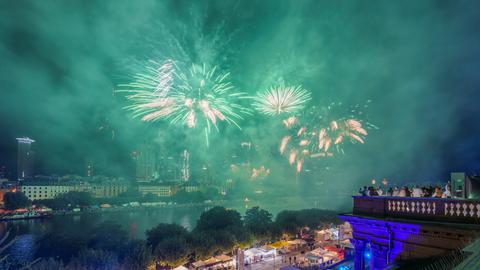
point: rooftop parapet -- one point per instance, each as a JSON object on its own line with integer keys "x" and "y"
{"x": 430, "y": 209}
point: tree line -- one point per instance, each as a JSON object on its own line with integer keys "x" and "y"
{"x": 218, "y": 230}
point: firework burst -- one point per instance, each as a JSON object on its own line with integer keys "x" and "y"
{"x": 320, "y": 132}
{"x": 281, "y": 100}
{"x": 334, "y": 125}
{"x": 296, "y": 144}
{"x": 199, "y": 97}
{"x": 157, "y": 79}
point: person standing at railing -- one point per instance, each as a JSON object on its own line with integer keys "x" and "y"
{"x": 396, "y": 192}
{"x": 390, "y": 192}
{"x": 408, "y": 192}
{"x": 372, "y": 192}
{"x": 447, "y": 193}
{"x": 417, "y": 192}
{"x": 438, "y": 193}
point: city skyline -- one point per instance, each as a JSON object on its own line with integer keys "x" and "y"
{"x": 239, "y": 134}
{"x": 426, "y": 118}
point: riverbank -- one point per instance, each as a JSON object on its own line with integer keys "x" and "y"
{"x": 274, "y": 206}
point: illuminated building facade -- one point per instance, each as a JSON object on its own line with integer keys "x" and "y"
{"x": 158, "y": 190}
{"x": 399, "y": 230}
{"x": 108, "y": 190}
{"x": 43, "y": 191}
{"x": 25, "y": 158}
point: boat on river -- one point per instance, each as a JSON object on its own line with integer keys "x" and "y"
{"x": 30, "y": 214}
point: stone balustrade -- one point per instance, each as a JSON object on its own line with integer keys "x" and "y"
{"x": 446, "y": 210}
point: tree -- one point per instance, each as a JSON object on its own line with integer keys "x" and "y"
{"x": 218, "y": 218}
{"x": 172, "y": 251}
{"x": 287, "y": 222}
{"x": 91, "y": 259}
{"x": 291, "y": 221}
{"x": 204, "y": 245}
{"x": 64, "y": 245}
{"x": 78, "y": 198}
{"x": 109, "y": 236}
{"x": 15, "y": 200}
{"x": 315, "y": 217}
{"x": 225, "y": 226}
{"x": 164, "y": 231}
{"x": 259, "y": 222}
{"x": 170, "y": 244}
{"x": 138, "y": 256}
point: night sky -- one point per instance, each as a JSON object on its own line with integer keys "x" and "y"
{"x": 418, "y": 62}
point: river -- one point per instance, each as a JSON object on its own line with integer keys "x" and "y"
{"x": 137, "y": 220}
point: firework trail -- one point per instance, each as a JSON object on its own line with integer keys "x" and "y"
{"x": 157, "y": 78}
{"x": 198, "y": 97}
{"x": 298, "y": 143}
{"x": 337, "y": 131}
{"x": 281, "y": 100}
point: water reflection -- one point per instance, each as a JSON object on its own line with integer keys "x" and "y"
{"x": 71, "y": 230}
{"x": 23, "y": 250}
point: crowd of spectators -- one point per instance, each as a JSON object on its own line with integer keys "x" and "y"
{"x": 405, "y": 191}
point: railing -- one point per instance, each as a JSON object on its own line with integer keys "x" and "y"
{"x": 448, "y": 210}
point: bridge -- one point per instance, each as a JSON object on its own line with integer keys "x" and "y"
{"x": 387, "y": 230}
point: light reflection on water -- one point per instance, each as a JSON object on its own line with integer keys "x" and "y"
{"x": 135, "y": 221}
{"x": 24, "y": 248}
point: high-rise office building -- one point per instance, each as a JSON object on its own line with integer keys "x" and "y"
{"x": 25, "y": 158}
{"x": 169, "y": 167}
{"x": 145, "y": 163}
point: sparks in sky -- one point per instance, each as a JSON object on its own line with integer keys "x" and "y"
{"x": 319, "y": 132}
{"x": 204, "y": 95}
{"x": 298, "y": 143}
{"x": 338, "y": 131}
{"x": 336, "y": 124}
{"x": 198, "y": 97}
{"x": 261, "y": 172}
{"x": 281, "y": 100}
{"x": 156, "y": 79}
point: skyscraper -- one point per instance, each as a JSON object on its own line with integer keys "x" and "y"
{"x": 185, "y": 165}
{"x": 145, "y": 163}
{"x": 25, "y": 158}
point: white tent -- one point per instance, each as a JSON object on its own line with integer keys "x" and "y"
{"x": 181, "y": 267}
